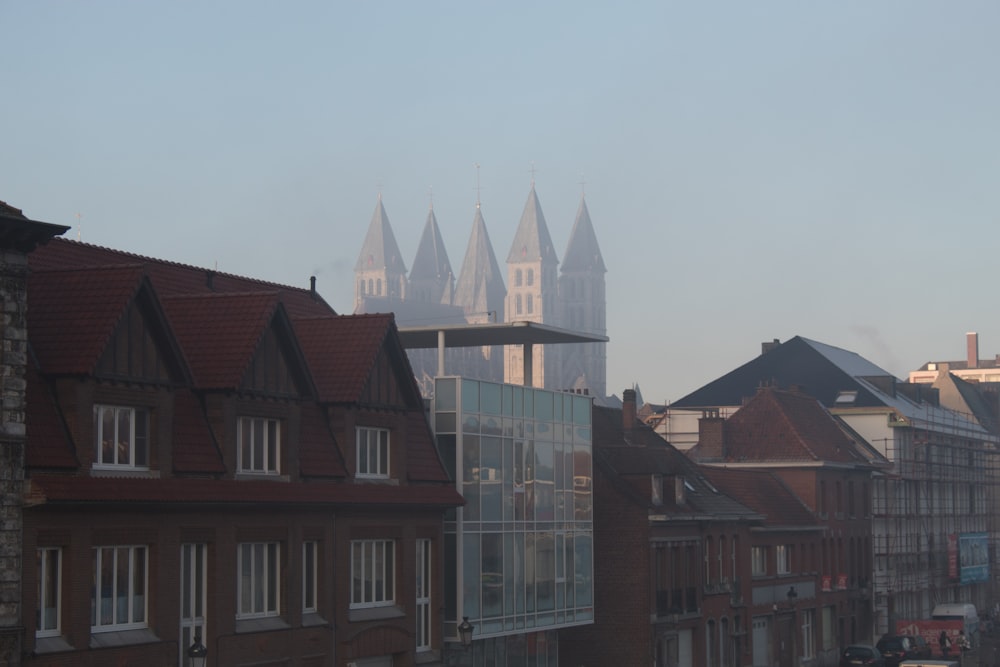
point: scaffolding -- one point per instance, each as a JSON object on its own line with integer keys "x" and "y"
{"x": 940, "y": 493}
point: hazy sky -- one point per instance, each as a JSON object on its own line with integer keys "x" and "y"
{"x": 753, "y": 170}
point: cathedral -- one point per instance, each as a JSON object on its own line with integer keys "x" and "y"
{"x": 536, "y": 289}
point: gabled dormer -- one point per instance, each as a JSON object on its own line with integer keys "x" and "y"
{"x": 363, "y": 377}
{"x": 106, "y": 352}
{"x": 251, "y": 376}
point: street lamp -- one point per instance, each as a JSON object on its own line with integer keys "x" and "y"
{"x": 465, "y": 631}
{"x": 197, "y": 652}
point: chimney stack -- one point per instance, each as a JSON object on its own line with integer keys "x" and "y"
{"x": 711, "y": 437}
{"x": 628, "y": 409}
{"x": 972, "y": 349}
{"x": 312, "y": 286}
{"x": 766, "y": 347}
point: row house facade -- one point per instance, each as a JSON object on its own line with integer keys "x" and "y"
{"x": 216, "y": 459}
{"x": 933, "y": 480}
{"x": 671, "y": 556}
{"x": 784, "y": 455}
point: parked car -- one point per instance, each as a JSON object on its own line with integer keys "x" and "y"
{"x": 896, "y": 648}
{"x": 861, "y": 654}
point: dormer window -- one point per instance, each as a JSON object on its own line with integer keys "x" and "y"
{"x": 259, "y": 445}
{"x": 121, "y": 436}
{"x": 373, "y": 453}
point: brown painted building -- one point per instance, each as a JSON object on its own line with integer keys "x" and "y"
{"x": 211, "y": 455}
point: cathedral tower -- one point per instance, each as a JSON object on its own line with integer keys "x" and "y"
{"x": 380, "y": 272}
{"x": 532, "y": 295}
{"x": 431, "y": 278}
{"x": 583, "y": 302}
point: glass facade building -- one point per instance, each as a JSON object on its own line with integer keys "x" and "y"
{"x": 522, "y": 546}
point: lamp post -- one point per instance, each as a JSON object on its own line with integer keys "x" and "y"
{"x": 465, "y": 631}
{"x": 197, "y": 652}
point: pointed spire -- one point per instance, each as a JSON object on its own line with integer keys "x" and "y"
{"x": 380, "y": 250}
{"x": 583, "y": 252}
{"x": 532, "y": 241}
{"x": 431, "y": 277}
{"x": 480, "y": 288}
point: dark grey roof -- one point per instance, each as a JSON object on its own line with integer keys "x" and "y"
{"x": 19, "y": 232}
{"x": 582, "y": 252}
{"x": 824, "y": 372}
{"x": 480, "y": 288}
{"x": 504, "y": 333}
{"x": 380, "y": 250}
{"x": 532, "y": 241}
{"x": 431, "y": 261}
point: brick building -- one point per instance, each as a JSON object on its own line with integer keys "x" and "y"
{"x": 784, "y": 455}
{"x": 214, "y": 456}
{"x": 671, "y": 556}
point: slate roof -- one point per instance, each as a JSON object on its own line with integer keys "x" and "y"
{"x": 431, "y": 261}
{"x": 824, "y": 371}
{"x": 630, "y": 458}
{"x": 480, "y": 287}
{"x": 380, "y": 250}
{"x": 532, "y": 241}
{"x": 583, "y": 252}
{"x": 764, "y": 493}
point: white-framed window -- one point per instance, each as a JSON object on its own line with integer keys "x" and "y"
{"x": 118, "y": 597}
{"x": 310, "y": 551}
{"x": 49, "y": 592}
{"x": 259, "y": 447}
{"x": 193, "y": 597}
{"x": 808, "y": 639}
{"x": 758, "y": 561}
{"x": 259, "y": 586}
{"x": 121, "y": 437}
{"x": 783, "y": 558}
{"x": 373, "y": 452}
{"x": 373, "y": 581}
{"x": 423, "y": 595}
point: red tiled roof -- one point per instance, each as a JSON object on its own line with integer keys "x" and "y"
{"x": 172, "y": 278}
{"x": 319, "y": 455}
{"x": 194, "y": 447}
{"x": 341, "y": 352}
{"x": 73, "y": 314}
{"x": 77, "y": 489}
{"x": 787, "y": 426}
{"x": 219, "y": 333}
{"x": 764, "y": 493}
{"x": 49, "y": 444}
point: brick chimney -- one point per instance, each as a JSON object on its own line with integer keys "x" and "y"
{"x": 628, "y": 409}
{"x": 972, "y": 349}
{"x": 711, "y": 438}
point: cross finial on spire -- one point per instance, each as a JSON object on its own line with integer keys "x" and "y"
{"x": 532, "y": 170}
{"x": 378, "y": 185}
{"x": 430, "y": 195}
{"x": 478, "y": 192}
{"x": 79, "y": 226}
{"x": 583, "y": 185}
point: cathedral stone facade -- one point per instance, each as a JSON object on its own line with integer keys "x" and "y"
{"x": 537, "y": 289}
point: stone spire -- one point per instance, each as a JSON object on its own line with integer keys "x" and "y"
{"x": 380, "y": 271}
{"x": 480, "y": 290}
{"x": 583, "y": 306}
{"x": 431, "y": 278}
